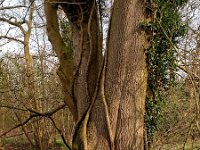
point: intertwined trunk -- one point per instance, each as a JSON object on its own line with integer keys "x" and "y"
{"x": 106, "y": 97}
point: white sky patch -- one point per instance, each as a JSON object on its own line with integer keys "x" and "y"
{"x": 38, "y": 39}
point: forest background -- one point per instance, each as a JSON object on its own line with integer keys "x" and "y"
{"x": 34, "y": 113}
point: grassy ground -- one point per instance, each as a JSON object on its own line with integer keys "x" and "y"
{"x": 20, "y": 144}
{"x": 179, "y": 146}
{"x": 12, "y": 144}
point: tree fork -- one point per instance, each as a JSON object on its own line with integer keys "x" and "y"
{"x": 66, "y": 65}
{"x": 117, "y": 89}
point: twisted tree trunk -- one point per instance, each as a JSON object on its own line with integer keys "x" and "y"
{"x": 106, "y": 97}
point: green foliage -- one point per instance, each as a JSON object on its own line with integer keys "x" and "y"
{"x": 163, "y": 30}
{"x": 175, "y": 117}
{"x": 59, "y": 144}
{"x": 153, "y": 114}
{"x": 172, "y": 112}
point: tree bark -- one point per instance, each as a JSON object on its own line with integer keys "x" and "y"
{"x": 109, "y": 98}
{"x": 126, "y": 77}
{"x": 64, "y": 54}
{"x": 87, "y": 51}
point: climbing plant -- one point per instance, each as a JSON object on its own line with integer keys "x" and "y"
{"x": 164, "y": 29}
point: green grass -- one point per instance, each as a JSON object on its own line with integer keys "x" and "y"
{"x": 188, "y": 146}
{"x": 59, "y": 143}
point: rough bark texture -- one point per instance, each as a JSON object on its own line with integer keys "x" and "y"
{"x": 64, "y": 54}
{"x": 87, "y": 52}
{"x": 126, "y": 74}
{"x": 115, "y": 119}
{"x": 87, "y": 59}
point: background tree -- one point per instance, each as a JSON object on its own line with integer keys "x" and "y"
{"x": 29, "y": 86}
{"x": 179, "y": 111}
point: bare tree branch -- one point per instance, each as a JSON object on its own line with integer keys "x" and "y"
{"x": 70, "y": 3}
{"x": 12, "y": 107}
{"x": 11, "y": 38}
{"x": 34, "y": 114}
{"x": 23, "y": 128}
{"x": 61, "y": 133}
{"x": 2, "y": 2}
{"x": 19, "y": 125}
{"x": 16, "y": 23}
{"x": 11, "y": 7}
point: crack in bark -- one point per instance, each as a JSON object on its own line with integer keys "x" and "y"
{"x": 108, "y": 123}
{"x": 80, "y": 135}
{"x": 80, "y": 58}
{"x": 81, "y": 127}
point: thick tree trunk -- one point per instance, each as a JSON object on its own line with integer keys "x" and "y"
{"x": 87, "y": 51}
{"x": 110, "y": 118}
{"x": 126, "y": 77}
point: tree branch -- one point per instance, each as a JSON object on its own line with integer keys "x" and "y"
{"x": 70, "y": 3}
{"x": 34, "y": 114}
{"x": 19, "y": 125}
{"x": 11, "y": 7}
{"x": 16, "y": 24}
{"x": 60, "y": 132}
{"x": 64, "y": 54}
{"x": 12, "y": 107}
{"x": 24, "y": 129}
{"x": 11, "y": 38}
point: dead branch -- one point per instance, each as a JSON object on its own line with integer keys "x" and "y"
{"x": 14, "y": 23}
{"x": 24, "y": 129}
{"x": 60, "y": 132}
{"x": 15, "y": 135}
{"x": 12, "y": 38}
{"x": 34, "y": 114}
{"x": 11, "y": 7}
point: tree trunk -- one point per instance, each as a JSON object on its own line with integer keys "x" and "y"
{"x": 109, "y": 98}
{"x": 126, "y": 74}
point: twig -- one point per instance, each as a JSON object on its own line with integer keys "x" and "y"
{"x": 12, "y": 107}
{"x": 188, "y": 133}
{"x": 11, "y": 38}
{"x": 70, "y": 3}
{"x": 23, "y": 129}
{"x": 10, "y": 136}
{"x": 16, "y": 24}
{"x": 11, "y": 7}
{"x": 34, "y": 115}
{"x": 60, "y": 132}
{"x": 19, "y": 125}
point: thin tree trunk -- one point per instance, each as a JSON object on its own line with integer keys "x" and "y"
{"x": 64, "y": 53}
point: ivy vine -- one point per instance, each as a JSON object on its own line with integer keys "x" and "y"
{"x": 163, "y": 32}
